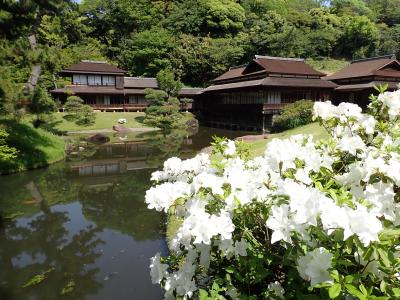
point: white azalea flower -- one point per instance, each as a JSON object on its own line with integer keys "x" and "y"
{"x": 280, "y": 223}
{"x": 351, "y": 144}
{"x": 240, "y": 248}
{"x": 158, "y": 270}
{"x": 162, "y": 196}
{"x": 314, "y": 266}
{"x": 277, "y": 289}
{"x": 230, "y": 149}
{"x": 324, "y": 110}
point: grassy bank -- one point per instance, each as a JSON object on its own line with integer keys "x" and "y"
{"x": 36, "y": 147}
{"x": 258, "y": 147}
{"x": 104, "y": 120}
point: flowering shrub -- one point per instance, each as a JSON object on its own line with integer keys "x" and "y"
{"x": 307, "y": 220}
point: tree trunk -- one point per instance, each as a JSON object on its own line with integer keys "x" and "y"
{"x": 36, "y": 68}
{"x": 37, "y": 196}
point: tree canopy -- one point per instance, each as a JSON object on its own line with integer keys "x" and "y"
{"x": 198, "y": 39}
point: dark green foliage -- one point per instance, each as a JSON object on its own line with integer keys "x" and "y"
{"x": 86, "y": 116}
{"x": 7, "y": 153}
{"x": 294, "y": 115}
{"x": 147, "y": 52}
{"x": 41, "y": 105}
{"x": 168, "y": 83}
{"x": 163, "y": 111}
{"x": 78, "y": 112}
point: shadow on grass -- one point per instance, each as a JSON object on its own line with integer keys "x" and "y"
{"x": 139, "y": 119}
{"x": 27, "y": 141}
{"x": 52, "y": 127}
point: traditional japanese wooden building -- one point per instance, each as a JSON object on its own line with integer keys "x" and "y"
{"x": 104, "y": 87}
{"x": 247, "y": 97}
{"x": 356, "y": 82}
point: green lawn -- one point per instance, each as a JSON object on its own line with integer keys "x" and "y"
{"x": 36, "y": 147}
{"x": 104, "y": 120}
{"x": 257, "y": 147}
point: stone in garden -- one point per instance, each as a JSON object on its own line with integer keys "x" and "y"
{"x": 98, "y": 138}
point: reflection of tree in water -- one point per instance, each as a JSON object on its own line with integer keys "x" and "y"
{"x": 168, "y": 145}
{"x": 45, "y": 242}
{"x": 17, "y": 198}
{"x": 120, "y": 206}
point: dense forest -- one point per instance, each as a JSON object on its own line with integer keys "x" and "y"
{"x": 198, "y": 39}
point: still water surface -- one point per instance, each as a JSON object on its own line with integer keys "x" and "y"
{"x": 82, "y": 227}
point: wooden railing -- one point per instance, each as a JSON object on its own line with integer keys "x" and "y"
{"x": 136, "y": 107}
{"x": 267, "y": 106}
{"x": 132, "y": 107}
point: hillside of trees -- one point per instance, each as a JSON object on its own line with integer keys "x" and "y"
{"x": 198, "y": 39}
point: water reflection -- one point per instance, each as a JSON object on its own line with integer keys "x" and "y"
{"x": 31, "y": 246}
{"x": 84, "y": 221}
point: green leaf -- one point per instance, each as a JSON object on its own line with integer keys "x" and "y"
{"x": 384, "y": 256}
{"x": 363, "y": 290}
{"x": 382, "y": 286}
{"x": 68, "y": 288}
{"x": 203, "y": 295}
{"x": 35, "y": 280}
{"x": 334, "y": 290}
{"x": 349, "y": 279}
{"x": 388, "y": 234}
{"x": 335, "y": 275}
{"x": 354, "y": 291}
{"x": 396, "y": 292}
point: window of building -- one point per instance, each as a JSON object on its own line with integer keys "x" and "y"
{"x": 108, "y": 80}
{"x": 133, "y": 99}
{"x": 274, "y": 97}
{"x": 94, "y": 79}
{"x": 79, "y": 79}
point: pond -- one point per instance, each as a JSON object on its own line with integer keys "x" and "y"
{"x": 80, "y": 228}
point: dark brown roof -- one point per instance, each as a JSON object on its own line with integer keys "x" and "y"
{"x": 287, "y": 66}
{"x": 264, "y": 65}
{"x": 140, "y": 82}
{"x": 362, "y": 86}
{"x": 368, "y": 67}
{"x": 275, "y": 82}
{"x": 143, "y": 83}
{"x": 188, "y": 92}
{"x": 231, "y": 73}
{"x": 233, "y": 85}
{"x": 93, "y": 67}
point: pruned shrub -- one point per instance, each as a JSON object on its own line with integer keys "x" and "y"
{"x": 294, "y": 115}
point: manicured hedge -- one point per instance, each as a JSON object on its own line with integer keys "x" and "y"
{"x": 294, "y": 115}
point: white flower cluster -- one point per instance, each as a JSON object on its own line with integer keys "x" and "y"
{"x": 362, "y": 162}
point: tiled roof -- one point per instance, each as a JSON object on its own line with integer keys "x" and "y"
{"x": 368, "y": 67}
{"x": 186, "y": 92}
{"x": 93, "y": 67}
{"x": 264, "y": 65}
{"x": 361, "y": 86}
{"x": 287, "y": 66}
{"x": 274, "y": 81}
{"x": 140, "y": 82}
